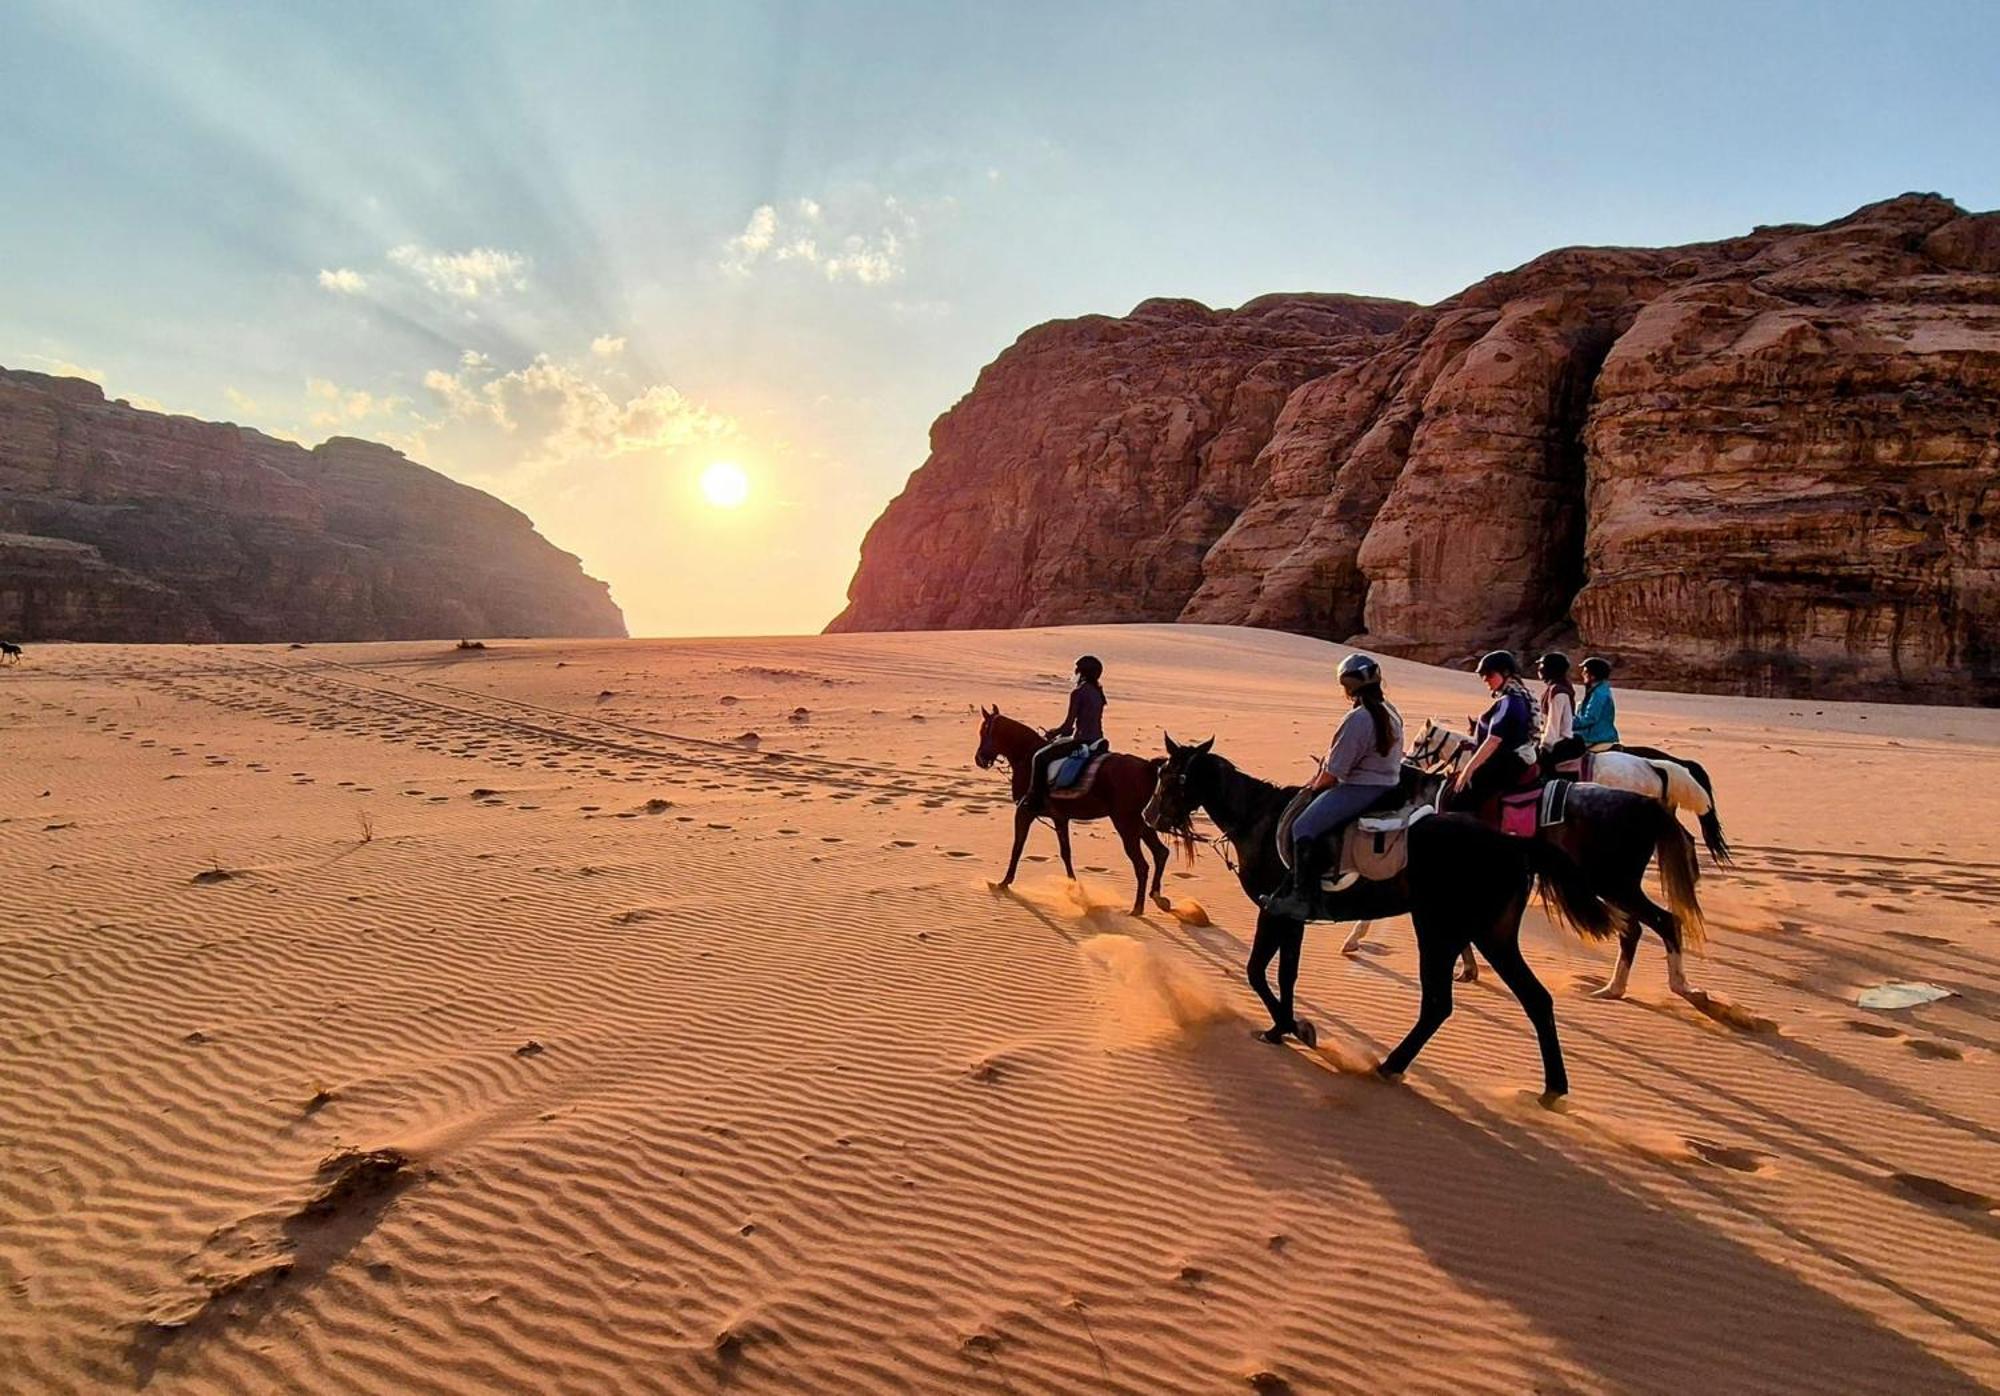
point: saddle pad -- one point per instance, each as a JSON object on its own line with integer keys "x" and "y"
{"x": 1377, "y": 846}
{"x": 1555, "y": 802}
{"x": 1081, "y": 785}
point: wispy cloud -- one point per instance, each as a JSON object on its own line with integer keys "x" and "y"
{"x": 862, "y": 236}
{"x": 335, "y": 407}
{"x": 608, "y": 346}
{"x": 343, "y": 281}
{"x": 470, "y": 275}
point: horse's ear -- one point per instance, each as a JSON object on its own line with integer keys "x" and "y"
{"x": 1202, "y": 748}
{"x": 1172, "y": 748}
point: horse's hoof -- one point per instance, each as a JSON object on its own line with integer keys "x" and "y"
{"x": 1002, "y": 885}
{"x": 1607, "y": 992}
{"x": 1556, "y": 1100}
{"x": 1467, "y": 976}
{"x": 1162, "y": 903}
{"x": 1394, "y": 1078}
{"x": 1305, "y": 1032}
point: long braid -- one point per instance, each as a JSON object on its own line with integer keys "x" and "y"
{"x": 1369, "y": 695}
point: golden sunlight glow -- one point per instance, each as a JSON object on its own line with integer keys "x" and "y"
{"x": 725, "y": 485}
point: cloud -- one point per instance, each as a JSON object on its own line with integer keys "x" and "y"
{"x": 607, "y": 346}
{"x": 473, "y": 359}
{"x": 241, "y": 401}
{"x": 468, "y": 275}
{"x": 861, "y": 236}
{"x": 550, "y": 414}
{"x": 344, "y": 282}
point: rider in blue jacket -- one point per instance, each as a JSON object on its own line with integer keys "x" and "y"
{"x": 1596, "y": 723}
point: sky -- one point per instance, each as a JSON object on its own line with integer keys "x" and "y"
{"x": 577, "y": 254}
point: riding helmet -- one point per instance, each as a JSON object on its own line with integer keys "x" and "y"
{"x": 1554, "y": 666}
{"x": 1499, "y": 662}
{"x": 1358, "y": 671}
{"x": 1597, "y": 667}
{"x": 1091, "y": 667}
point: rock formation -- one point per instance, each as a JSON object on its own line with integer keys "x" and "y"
{"x": 118, "y": 524}
{"x": 1761, "y": 465}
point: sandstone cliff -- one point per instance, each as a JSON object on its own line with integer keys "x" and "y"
{"x": 118, "y": 524}
{"x": 1759, "y": 465}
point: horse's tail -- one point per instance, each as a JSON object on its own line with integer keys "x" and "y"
{"x": 1567, "y": 898}
{"x": 1711, "y": 818}
{"x": 1674, "y": 848}
{"x": 1684, "y": 789}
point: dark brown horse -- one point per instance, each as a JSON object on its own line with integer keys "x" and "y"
{"x": 1119, "y": 792}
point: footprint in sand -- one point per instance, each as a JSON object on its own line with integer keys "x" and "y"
{"x": 1727, "y": 1156}
{"x": 902, "y": 843}
{"x": 1938, "y": 1190}
{"x": 831, "y": 838}
{"x": 956, "y": 853}
{"x": 1935, "y": 1051}
{"x": 1862, "y": 1025}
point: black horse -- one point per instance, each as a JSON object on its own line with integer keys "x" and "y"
{"x": 1465, "y": 884}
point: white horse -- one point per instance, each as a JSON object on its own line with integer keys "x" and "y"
{"x": 1440, "y": 749}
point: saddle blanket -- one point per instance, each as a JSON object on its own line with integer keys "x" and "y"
{"x": 1526, "y": 811}
{"x": 1073, "y": 775}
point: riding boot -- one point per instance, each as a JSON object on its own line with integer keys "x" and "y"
{"x": 1298, "y": 898}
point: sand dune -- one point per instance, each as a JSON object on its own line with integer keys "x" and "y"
{"x": 384, "y": 1018}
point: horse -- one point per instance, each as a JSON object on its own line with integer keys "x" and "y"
{"x": 1675, "y": 783}
{"x": 1465, "y": 884}
{"x": 1603, "y": 838}
{"x": 1119, "y": 792}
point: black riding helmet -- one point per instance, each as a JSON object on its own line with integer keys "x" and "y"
{"x": 1554, "y": 666}
{"x": 1597, "y": 667}
{"x": 1499, "y": 662}
{"x": 1358, "y": 671}
{"x": 1090, "y": 667}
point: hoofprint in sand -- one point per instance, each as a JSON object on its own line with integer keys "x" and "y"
{"x": 636, "y": 1016}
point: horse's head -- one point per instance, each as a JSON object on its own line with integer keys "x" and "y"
{"x": 1437, "y": 746}
{"x": 989, "y": 751}
{"x": 1179, "y": 787}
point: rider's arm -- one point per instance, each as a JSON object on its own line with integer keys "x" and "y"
{"x": 1479, "y": 758}
{"x": 1069, "y": 720}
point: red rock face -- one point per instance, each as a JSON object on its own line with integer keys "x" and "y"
{"x": 1763, "y": 465}
{"x": 117, "y": 524}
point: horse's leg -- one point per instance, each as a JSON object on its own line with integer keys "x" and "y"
{"x": 1352, "y": 945}
{"x": 1629, "y": 931}
{"x": 1502, "y": 949}
{"x": 1158, "y": 848}
{"x": 1062, "y": 843}
{"x": 1129, "y": 836}
{"x": 1274, "y": 934}
{"x": 1022, "y": 821}
{"x": 1468, "y": 968}
{"x": 1437, "y": 952}
{"x": 1668, "y": 927}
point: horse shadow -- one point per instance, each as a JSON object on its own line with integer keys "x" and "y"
{"x": 1616, "y": 1279}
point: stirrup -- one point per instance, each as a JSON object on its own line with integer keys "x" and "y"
{"x": 1344, "y": 881}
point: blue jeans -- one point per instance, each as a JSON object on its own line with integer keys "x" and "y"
{"x": 1334, "y": 807}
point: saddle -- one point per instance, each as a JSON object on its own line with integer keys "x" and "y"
{"x": 1374, "y": 844}
{"x": 1072, "y": 776}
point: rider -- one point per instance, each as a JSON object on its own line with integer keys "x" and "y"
{"x": 1504, "y": 736}
{"x": 1363, "y": 765}
{"x": 1558, "y": 702}
{"x": 1597, "y": 716}
{"x": 1083, "y": 726}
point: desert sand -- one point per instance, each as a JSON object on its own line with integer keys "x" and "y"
{"x": 383, "y": 1017}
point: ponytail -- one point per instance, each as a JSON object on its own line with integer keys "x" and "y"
{"x": 1369, "y": 696}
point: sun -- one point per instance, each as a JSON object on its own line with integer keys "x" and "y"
{"x": 725, "y": 485}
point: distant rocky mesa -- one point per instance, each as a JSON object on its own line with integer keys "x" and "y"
{"x": 1763, "y": 465}
{"x": 123, "y": 525}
